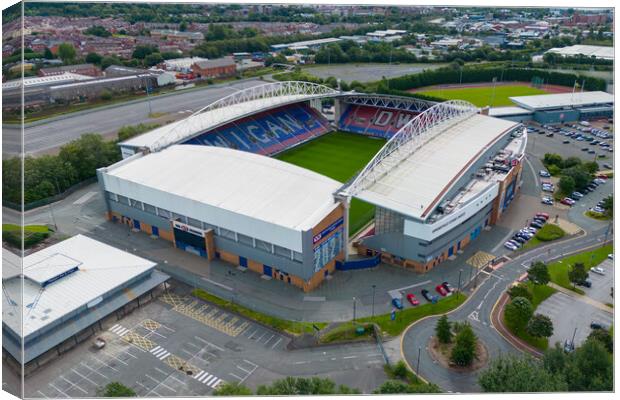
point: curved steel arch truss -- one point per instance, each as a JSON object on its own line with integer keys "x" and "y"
{"x": 389, "y": 101}
{"x": 270, "y": 94}
{"x": 409, "y": 139}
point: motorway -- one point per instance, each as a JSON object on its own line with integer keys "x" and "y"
{"x": 47, "y": 135}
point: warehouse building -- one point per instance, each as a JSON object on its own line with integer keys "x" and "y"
{"x": 67, "y": 289}
{"x": 256, "y": 212}
{"x": 563, "y": 107}
{"x": 599, "y": 52}
{"x": 438, "y": 183}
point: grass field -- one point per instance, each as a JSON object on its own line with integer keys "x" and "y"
{"x": 559, "y": 269}
{"x": 339, "y": 156}
{"x": 483, "y": 96}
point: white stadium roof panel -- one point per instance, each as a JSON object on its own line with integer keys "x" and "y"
{"x": 244, "y": 183}
{"x": 560, "y": 100}
{"x": 419, "y": 181}
{"x": 63, "y": 278}
{"x": 507, "y": 111}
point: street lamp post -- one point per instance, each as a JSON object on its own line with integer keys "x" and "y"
{"x": 459, "y": 288}
{"x": 417, "y": 368}
{"x": 353, "y": 309}
{"x": 373, "y": 299}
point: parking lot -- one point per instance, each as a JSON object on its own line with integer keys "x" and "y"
{"x": 601, "y": 284}
{"x": 178, "y": 345}
{"x": 569, "y": 313}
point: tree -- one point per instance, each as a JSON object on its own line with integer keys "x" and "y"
{"x": 143, "y": 50}
{"x": 566, "y": 184}
{"x": 183, "y": 26}
{"x": 591, "y": 166}
{"x": 97, "y": 30}
{"x": 66, "y": 52}
{"x": 608, "y": 205}
{"x": 518, "y": 312}
{"x": 580, "y": 175}
{"x": 578, "y": 274}
{"x": 117, "y": 389}
{"x": 232, "y": 389}
{"x": 303, "y": 386}
{"x": 538, "y": 273}
{"x": 519, "y": 374}
{"x": 552, "y": 159}
{"x": 442, "y": 330}
{"x": 464, "y": 350}
{"x": 47, "y": 54}
{"x": 93, "y": 58}
{"x": 520, "y": 290}
{"x": 590, "y": 368}
{"x": 604, "y": 337}
{"x": 540, "y": 326}
{"x": 153, "y": 59}
{"x": 110, "y": 60}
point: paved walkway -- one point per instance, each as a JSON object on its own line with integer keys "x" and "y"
{"x": 581, "y": 297}
{"x": 568, "y": 227}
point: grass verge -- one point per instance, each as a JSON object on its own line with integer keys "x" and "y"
{"x": 346, "y": 332}
{"x": 597, "y": 216}
{"x": 559, "y": 269}
{"x": 293, "y": 327}
{"x": 406, "y": 317}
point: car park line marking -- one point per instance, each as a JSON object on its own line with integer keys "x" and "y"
{"x": 349, "y": 357}
{"x": 84, "y": 198}
{"x": 216, "y": 384}
{"x": 238, "y": 377}
{"x": 42, "y": 394}
{"x": 301, "y": 362}
{"x": 180, "y": 382}
{"x": 188, "y": 352}
{"x": 94, "y": 370}
{"x": 105, "y": 364}
{"x": 270, "y": 337}
{"x": 60, "y": 391}
{"x": 79, "y": 228}
{"x": 129, "y": 353}
{"x": 116, "y": 358}
{"x": 261, "y": 336}
{"x": 145, "y": 388}
{"x": 73, "y": 385}
{"x": 252, "y": 334}
{"x": 83, "y": 377}
{"x": 193, "y": 345}
{"x": 243, "y": 369}
{"x": 276, "y": 343}
{"x": 208, "y": 343}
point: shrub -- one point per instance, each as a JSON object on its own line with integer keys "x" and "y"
{"x": 540, "y": 326}
{"x": 442, "y": 330}
{"x": 520, "y": 290}
{"x": 518, "y": 312}
{"x": 550, "y": 232}
{"x": 117, "y": 389}
{"x": 464, "y": 350}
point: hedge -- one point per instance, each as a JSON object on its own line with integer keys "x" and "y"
{"x": 550, "y": 232}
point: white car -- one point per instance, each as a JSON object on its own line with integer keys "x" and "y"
{"x": 610, "y": 256}
{"x": 544, "y": 173}
{"x": 510, "y": 246}
{"x": 598, "y": 270}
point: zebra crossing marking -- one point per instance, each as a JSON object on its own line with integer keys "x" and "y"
{"x": 208, "y": 379}
{"x": 160, "y": 352}
{"x": 119, "y": 330}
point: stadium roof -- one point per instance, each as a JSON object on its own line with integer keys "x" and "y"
{"x": 244, "y": 183}
{"x": 63, "y": 278}
{"x": 563, "y": 100}
{"x": 507, "y": 111}
{"x": 417, "y": 183}
{"x": 602, "y": 52}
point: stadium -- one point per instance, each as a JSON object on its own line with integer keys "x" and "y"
{"x": 269, "y": 180}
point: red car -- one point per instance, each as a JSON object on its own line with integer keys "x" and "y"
{"x": 567, "y": 201}
{"x": 543, "y": 215}
{"x": 441, "y": 290}
{"x": 411, "y": 298}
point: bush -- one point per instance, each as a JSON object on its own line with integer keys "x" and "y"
{"x": 442, "y": 330}
{"x": 518, "y": 312}
{"x": 540, "y": 326}
{"x": 550, "y": 232}
{"x": 520, "y": 290}
{"x": 106, "y": 95}
{"x": 117, "y": 389}
{"x": 464, "y": 350}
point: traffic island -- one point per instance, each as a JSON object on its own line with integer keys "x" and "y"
{"x": 440, "y": 352}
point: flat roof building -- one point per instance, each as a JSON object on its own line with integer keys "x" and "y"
{"x": 600, "y": 52}
{"x": 563, "y": 100}
{"x": 254, "y": 211}
{"x": 67, "y": 288}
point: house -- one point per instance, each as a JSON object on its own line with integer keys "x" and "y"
{"x": 217, "y": 68}
{"x": 81, "y": 69}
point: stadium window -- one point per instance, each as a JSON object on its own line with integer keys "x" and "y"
{"x": 194, "y": 222}
{"x": 227, "y": 234}
{"x": 243, "y": 239}
{"x": 123, "y": 199}
{"x": 112, "y": 196}
{"x": 297, "y": 256}
{"x": 149, "y": 208}
{"x": 282, "y": 251}
{"x": 163, "y": 213}
{"x": 262, "y": 245}
{"x": 135, "y": 204}
{"x": 179, "y": 217}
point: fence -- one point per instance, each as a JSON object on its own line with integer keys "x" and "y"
{"x": 49, "y": 200}
{"x": 361, "y": 263}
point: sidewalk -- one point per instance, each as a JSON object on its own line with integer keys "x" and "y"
{"x": 582, "y": 298}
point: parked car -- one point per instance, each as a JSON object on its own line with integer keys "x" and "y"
{"x": 577, "y": 194}
{"x": 596, "y": 325}
{"x": 412, "y": 299}
{"x": 536, "y": 224}
{"x": 448, "y": 287}
{"x": 543, "y": 215}
{"x": 515, "y": 243}
{"x": 598, "y": 270}
{"x": 428, "y": 296}
{"x": 544, "y": 174}
{"x": 510, "y": 246}
{"x": 585, "y": 283}
{"x": 519, "y": 239}
{"x": 441, "y": 290}
{"x": 541, "y": 221}
{"x": 547, "y": 200}
{"x": 567, "y": 201}
{"x": 397, "y": 303}
{"x": 607, "y": 166}
{"x": 610, "y": 256}
{"x": 569, "y": 346}
{"x": 550, "y": 134}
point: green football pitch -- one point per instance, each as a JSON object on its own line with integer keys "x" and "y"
{"x": 483, "y": 96}
{"x": 339, "y": 155}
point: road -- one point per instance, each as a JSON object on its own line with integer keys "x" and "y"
{"x": 477, "y": 311}
{"x": 50, "y": 134}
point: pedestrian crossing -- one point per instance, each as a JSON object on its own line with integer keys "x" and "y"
{"x": 160, "y": 352}
{"x": 208, "y": 379}
{"x": 119, "y": 330}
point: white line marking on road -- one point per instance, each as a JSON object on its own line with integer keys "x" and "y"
{"x": 276, "y": 343}
{"x": 238, "y": 378}
{"x": 480, "y": 305}
{"x": 42, "y": 394}
{"x": 60, "y": 391}
{"x": 145, "y": 388}
{"x": 84, "y": 198}
{"x": 270, "y": 337}
{"x": 243, "y": 369}
{"x": 180, "y": 382}
{"x": 83, "y": 377}
{"x": 252, "y": 334}
{"x": 348, "y": 357}
{"x": 527, "y": 161}
{"x": 208, "y": 343}
{"x": 161, "y": 372}
{"x": 301, "y": 362}
{"x": 205, "y": 377}
{"x": 261, "y": 336}
{"x": 215, "y": 385}
{"x": 198, "y": 375}
{"x": 94, "y": 370}
{"x": 151, "y": 378}
{"x": 193, "y": 345}
{"x": 218, "y": 284}
{"x": 154, "y": 349}
{"x": 79, "y": 228}
{"x": 210, "y": 381}
{"x": 105, "y": 364}
{"x": 73, "y": 385}
{"x": 188, "y": 352}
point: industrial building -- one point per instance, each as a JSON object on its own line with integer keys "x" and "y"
{"x": 563, "y": 107}
{"x": 67, "y": 289}
{"x": 599, "y": 52}
{"x": 256, "y": 212}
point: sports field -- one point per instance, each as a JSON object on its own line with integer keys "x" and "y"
{"x": 339, "y": 155}
{"x": 483, "y": 96}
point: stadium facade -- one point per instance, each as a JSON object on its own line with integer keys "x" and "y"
{"x": 207, "y": 184}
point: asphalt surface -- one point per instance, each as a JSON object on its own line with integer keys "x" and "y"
{"x": 367, "y": 72}
{"x": 47, "y": 135}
